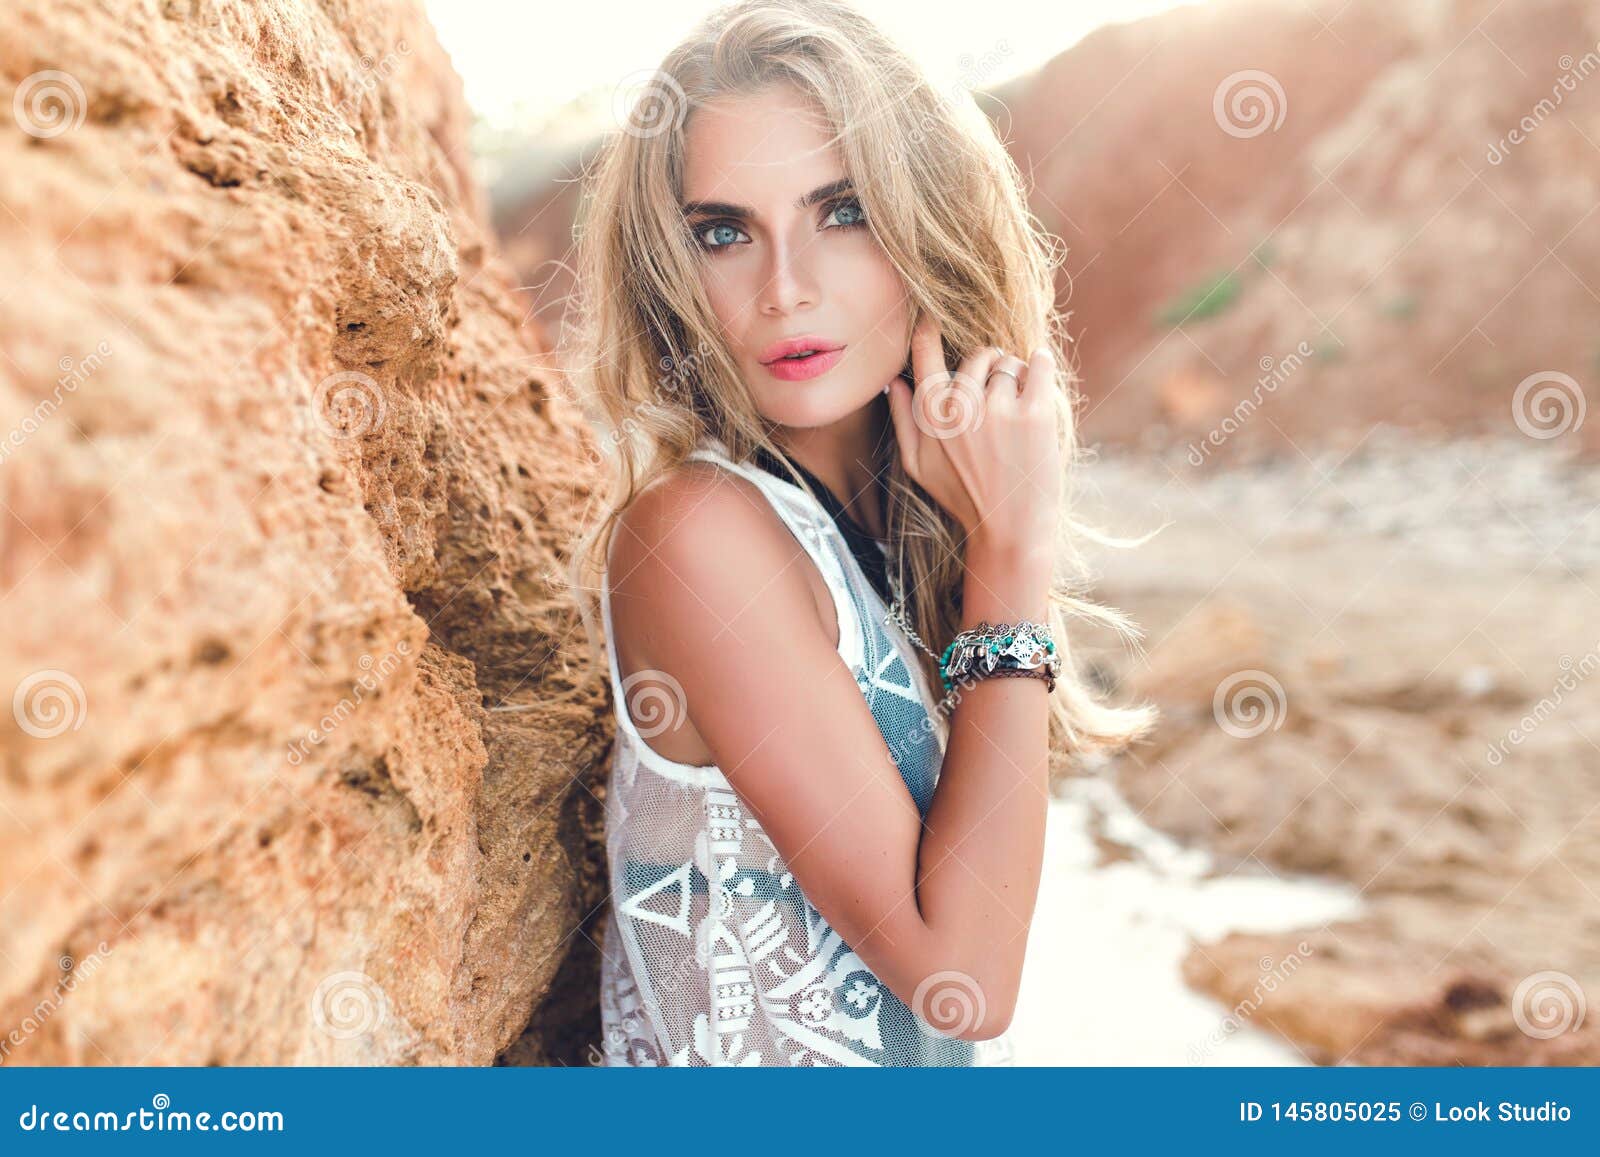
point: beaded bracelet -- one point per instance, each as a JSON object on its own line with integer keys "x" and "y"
{"x": 1024, "y": 649}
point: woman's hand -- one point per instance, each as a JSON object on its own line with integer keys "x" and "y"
{"x": 982, "y": 440}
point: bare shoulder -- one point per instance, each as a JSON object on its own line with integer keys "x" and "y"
{"x": 703, "y": 546}
{"x": 695, "y": 512}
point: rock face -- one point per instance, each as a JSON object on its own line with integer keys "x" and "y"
{"x": 290, "y": 775}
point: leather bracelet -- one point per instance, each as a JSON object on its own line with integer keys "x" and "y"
{"x": 1027, "y": 673}
{"x": 1024, "y": 649}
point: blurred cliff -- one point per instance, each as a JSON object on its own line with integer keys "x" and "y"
{"x": 1238, "y": 179}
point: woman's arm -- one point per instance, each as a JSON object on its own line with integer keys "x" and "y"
{"x": 997, "y": 469}
{"x": 982, "y": 846}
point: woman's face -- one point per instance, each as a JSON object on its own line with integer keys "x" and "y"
{"x": 787, "y": 255}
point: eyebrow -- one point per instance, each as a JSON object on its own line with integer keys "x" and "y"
{"x": 725, "y": 209}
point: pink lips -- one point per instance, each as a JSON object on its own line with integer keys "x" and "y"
{"x": 799, "y": 369}
{"x": 794, "y": 369}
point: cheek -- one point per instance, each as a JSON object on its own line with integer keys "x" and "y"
{"x": 731, "y": 300}
{"x": 732, "y": 284}
{"x": 878, "y": 293}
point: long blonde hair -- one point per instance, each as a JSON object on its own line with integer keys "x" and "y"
{"x": 946, "y": 203}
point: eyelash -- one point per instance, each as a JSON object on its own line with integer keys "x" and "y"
{"x": 700, "y": 229}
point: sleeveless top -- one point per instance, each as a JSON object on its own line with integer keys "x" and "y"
{"x": 711, "y": 953}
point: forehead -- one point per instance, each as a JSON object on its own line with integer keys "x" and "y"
{"x": 762, "y": 150}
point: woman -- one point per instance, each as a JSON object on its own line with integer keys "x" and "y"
{"x": 813, "y": 860}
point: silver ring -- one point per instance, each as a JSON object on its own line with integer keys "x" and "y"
{"x": 1010, "y": 373}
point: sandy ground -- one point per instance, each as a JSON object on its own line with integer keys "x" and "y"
{"x": 1378, "y": 669}
{"x": 1116, "y": 915}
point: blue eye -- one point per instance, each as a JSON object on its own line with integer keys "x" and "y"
{"x": 714, "y": 235}
{"x": 852, "y": 209}
{"x": 724, "y": 233}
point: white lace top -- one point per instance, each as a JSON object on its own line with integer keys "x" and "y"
{"x": 711, "y": 954}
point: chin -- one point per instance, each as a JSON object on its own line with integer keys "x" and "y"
{"x": 818, "y": 402}
{"x": 807, "y": 405}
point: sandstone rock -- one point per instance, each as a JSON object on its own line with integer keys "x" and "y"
{"x": 282, "y": 519}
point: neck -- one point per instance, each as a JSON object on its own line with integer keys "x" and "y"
{"x": 845, "y": 456}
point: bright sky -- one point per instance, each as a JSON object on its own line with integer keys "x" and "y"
{"x": 521, "y": 61}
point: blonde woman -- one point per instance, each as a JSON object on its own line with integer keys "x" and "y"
{"x": 820, "y": 336}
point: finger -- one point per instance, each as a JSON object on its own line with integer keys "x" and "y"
{"x": 974, "y": 368}
{"x": 1009, "y": 364}
{"x": 906, "y": 433}
{"x": 1041, "y": 379}
{"x": 927, "y": 350}
{"x": 1000, "y": 385}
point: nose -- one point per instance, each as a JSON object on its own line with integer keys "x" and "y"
{"x": 790, "y": 284}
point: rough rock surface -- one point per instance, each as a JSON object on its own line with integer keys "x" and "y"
{"x": 283, "y": 513}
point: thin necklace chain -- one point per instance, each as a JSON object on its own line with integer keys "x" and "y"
{"x": 897, "y": 616}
